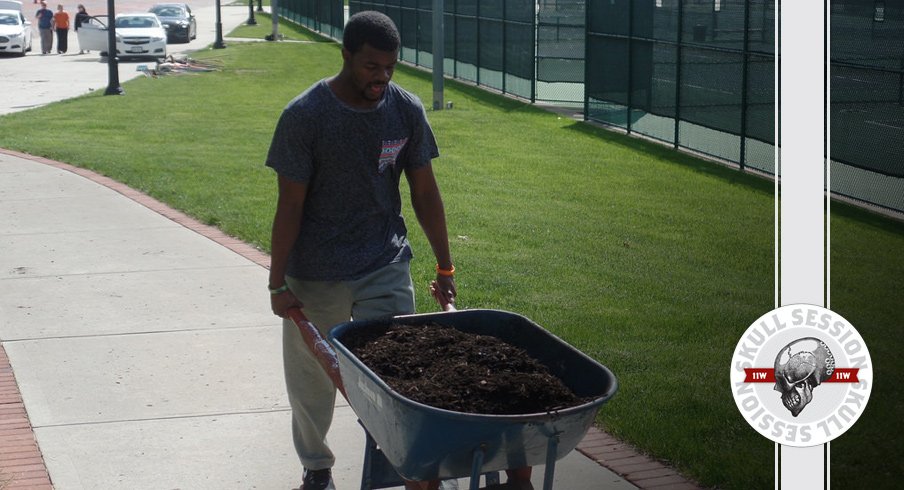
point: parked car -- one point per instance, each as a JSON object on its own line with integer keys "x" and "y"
{"x": 15, "y": 28}
{"x": 138, "y": 35}
{"x": 177, "y": 19}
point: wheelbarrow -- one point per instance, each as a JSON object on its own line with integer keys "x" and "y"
{"x": 408, "y": 440}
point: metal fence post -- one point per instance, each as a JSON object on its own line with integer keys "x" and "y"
{"x": 587, "y": 36}
{"x": 745, "y": 57}
{"x": 629, "y": 99}
{"x": 439, "y": 40}
{"x": 533, "y": 83}
{"x": 678, "y": 50}
{"x": 504, "y": 44}
{"x": 479, "y": 43}
{"x": 455, "y": 40}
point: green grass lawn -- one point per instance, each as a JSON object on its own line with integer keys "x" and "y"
{"x": 651, "y": 261}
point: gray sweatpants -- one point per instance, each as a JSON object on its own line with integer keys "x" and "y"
{"x": 386, "y": 292}
{"x": 46, "y": 40}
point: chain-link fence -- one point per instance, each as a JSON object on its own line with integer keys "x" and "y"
{"x": 700, "y": 74}
{"x": 490, "y": 43}
{"x": 696, "y": 74}
{"x": 867, "y": 94}
{"x": 324, "y": 16}
{"x": 561, "y": 46}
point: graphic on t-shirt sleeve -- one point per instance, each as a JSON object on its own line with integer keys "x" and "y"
{"x": 390, "y": 153}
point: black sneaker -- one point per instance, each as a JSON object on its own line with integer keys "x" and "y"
{"x": 317, "y": 480}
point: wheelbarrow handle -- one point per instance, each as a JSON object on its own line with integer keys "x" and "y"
{"x": 324, "y": 352}
{"x": 321, "y": 348}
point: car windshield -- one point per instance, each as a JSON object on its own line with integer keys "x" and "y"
{"x": 133, "y": 22}
{"x": 9, "y": 20}
{"x": 168, "y": 11}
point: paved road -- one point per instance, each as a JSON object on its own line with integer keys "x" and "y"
{"x": 36, "y": 79}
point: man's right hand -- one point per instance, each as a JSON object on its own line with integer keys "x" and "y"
{"x": 281, "y": 302}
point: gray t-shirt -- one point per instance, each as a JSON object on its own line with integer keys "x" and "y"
{"x": 351, "y": 161}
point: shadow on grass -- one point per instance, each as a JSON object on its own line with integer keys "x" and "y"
{"x": 662, "y": 152}
{"x": 867, "y": 217}
{"x": 289, "y": 31}
{"x": 479, "y": 93}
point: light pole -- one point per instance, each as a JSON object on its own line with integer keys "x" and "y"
{"x": 260, "y": 8}
{"x": 251, "y": 21}
{"x": 218, "y": 42}
{"x": 113, "y": 86}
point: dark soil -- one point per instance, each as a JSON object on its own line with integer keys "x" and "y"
{"x": 447, "y": 368}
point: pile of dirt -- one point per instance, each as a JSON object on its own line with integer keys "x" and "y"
{"x": 454, "y": 370}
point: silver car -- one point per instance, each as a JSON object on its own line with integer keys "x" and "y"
{"x": 15, "y": 29}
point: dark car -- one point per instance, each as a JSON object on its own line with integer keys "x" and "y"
{"x": 177, "y": 19}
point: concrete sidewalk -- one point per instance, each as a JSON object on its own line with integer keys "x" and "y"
{"x": 144, "y": 349}
{"x": 142, "y": 353}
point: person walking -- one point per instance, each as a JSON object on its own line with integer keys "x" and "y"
{"x": 45, "y": 27}
{"x": 340, "y": 246}
{"x": 61, "y": 26}
{"x": 80, "y": 17}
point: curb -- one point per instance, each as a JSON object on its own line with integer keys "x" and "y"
{"x": 625, "y": 461}
{"x": 21, "y": 463}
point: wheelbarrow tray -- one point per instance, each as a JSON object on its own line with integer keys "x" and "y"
{"x": 425, "y": 443}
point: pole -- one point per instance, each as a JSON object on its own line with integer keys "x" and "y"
{"x": 439, "y": 44}
{"x": 113, "y": 86}
{"x": 274, "y": 17}
{"x": 218, "y": 42}
{"x": 251, "y": 20}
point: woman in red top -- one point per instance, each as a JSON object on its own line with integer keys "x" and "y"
{"x": 61, "y": 26}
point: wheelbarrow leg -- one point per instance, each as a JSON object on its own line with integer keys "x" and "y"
{"x": 476, "y": 465}
{"x": 377, "y": 472}
{"x": 367, "y": 471}
{"x": 548, "y": 474}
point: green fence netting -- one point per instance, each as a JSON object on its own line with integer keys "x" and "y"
{"x": 490, "y": 43}
{"x": 324, "y": 16}
{"x": 697, "y": 74}
{"x": 689, "y": 73}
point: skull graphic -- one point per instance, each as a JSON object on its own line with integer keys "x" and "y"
{"x": 801, "y": 366}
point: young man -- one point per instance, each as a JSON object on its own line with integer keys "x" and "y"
{"x": 339, "y": 244}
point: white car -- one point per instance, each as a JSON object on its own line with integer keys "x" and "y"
{"x": 15, "y": 29}
{"x": 138, "y": 35}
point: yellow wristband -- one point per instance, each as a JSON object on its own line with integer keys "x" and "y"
{"x": 445, "y": 272}
{"x": 279, "y": 290}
